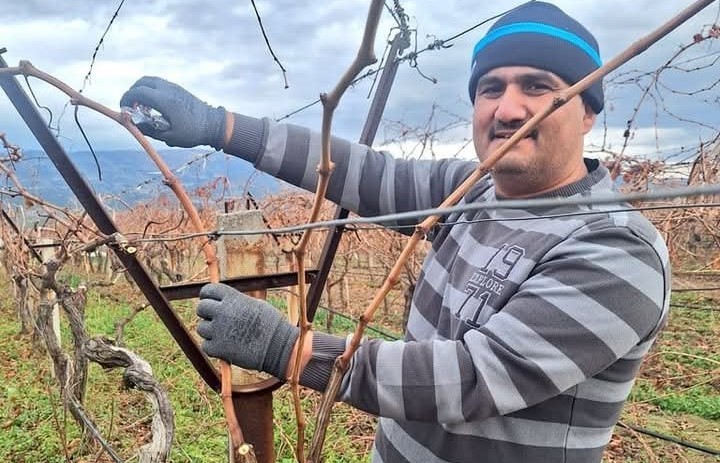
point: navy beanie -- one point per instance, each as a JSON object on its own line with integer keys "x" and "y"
{"x": 540, "y": 35}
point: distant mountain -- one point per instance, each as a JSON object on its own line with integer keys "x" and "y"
{"x": 131, "y": 176}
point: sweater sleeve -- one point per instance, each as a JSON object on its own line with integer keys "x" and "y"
{"x": 364, "y": 180}
{"x": 595, "y": 299}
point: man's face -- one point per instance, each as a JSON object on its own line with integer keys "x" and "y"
{"x": 551, "y": 156}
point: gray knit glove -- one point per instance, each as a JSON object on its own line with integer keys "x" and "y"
{"x": 244, "y": 331}
{"x": 192, "y": 121}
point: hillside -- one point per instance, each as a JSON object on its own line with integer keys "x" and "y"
{"x": 132, "y": 176}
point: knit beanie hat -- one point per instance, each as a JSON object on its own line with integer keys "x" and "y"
{"x": 542, "y": 36}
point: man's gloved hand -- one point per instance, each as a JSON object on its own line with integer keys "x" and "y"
{"x": 192, "y": 121}
{"x": 244, "y": 331}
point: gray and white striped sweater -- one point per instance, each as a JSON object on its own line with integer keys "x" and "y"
{"x": 524, "y": 337}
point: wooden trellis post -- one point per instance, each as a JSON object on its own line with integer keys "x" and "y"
{"x": 47, "y": 253}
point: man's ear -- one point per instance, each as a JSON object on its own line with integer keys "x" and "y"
{"x": 588, "y": 118}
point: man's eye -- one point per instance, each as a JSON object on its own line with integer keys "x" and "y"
{"x": 489, "y": 92}
{"x": 536, "y": 88}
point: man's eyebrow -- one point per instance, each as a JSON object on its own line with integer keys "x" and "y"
{"x": 538, "y": 75}
{"x": 485, "y": 80}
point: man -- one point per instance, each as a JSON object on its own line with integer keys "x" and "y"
{"x": 525, "y": 336}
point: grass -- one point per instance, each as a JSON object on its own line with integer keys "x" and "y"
{"x": 34, "y": 428}
{"x": 702, "y": 401}
{"x": 678, "y": 390}
{"x": 676, "y": 394}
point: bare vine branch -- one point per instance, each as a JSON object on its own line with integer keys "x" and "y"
{"x": 365, "y": 57}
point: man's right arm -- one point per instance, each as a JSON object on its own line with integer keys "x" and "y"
{"x": 364, "y": 180}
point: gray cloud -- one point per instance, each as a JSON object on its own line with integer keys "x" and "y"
{"x": 215, "y": 49}
{"x": 38, "y": 9}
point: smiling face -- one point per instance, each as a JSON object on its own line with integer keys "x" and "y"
{"x": 551, "y": 156}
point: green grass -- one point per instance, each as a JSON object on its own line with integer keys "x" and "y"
{"x": 677, "y": 391}
{"x": 33, "y": 427}
{"x": 702, "y": 401}
{"x": 681, "y": 374}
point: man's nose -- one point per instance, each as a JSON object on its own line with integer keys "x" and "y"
{"x": 511, "y": 106}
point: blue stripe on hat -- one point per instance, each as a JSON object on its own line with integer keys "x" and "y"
{"x": 537, "y": 28}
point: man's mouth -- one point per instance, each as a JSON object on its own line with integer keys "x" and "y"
{"x": 505, "y": 134}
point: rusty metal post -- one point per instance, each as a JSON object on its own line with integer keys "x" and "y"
{"x": 244, "y": 284}
{"x": 255, "y": 415}
{"x": 241, "y": 256}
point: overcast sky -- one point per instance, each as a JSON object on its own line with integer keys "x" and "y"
{"x": 214, "y": 48}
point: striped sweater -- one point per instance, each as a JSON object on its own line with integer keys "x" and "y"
{"x": 524, "y": 336}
